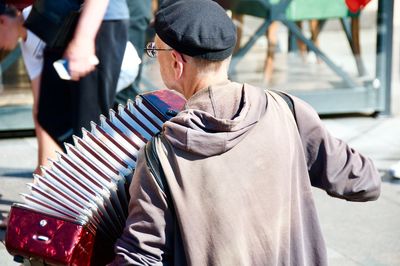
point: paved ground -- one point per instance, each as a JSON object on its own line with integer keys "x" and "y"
{"x": 356, "y": 233}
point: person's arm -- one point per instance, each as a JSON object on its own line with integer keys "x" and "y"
{"x": 35, "y": 84}
{"x": 81, "y": 53}
{"x": 149, "y": 226}
{"x": 333, "y": 166}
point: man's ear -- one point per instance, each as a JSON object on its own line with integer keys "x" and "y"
{"x": 177, "y": 64}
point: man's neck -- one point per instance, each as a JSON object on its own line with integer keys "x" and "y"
{"x": 203, "y": 80}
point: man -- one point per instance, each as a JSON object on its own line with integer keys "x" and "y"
{"x": 238, "y": 163}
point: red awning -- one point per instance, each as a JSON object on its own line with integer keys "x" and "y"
{"x": 355, "y": 5}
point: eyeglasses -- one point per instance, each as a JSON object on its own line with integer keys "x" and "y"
{"x": 152, "y": 50}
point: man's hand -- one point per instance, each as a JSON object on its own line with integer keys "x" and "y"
{"x": 81, "y": 57}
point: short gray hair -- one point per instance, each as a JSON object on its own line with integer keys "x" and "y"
{"x": 204, "y": 65}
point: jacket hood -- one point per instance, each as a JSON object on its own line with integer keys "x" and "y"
{"x": 216, "y": 118}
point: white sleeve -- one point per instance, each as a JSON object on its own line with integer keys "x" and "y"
{"x": 32, "y": 53}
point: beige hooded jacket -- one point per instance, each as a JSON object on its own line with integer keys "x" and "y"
{"x": 240, "y": 173}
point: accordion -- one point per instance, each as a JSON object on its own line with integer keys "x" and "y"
{"x": 77, "y": 208}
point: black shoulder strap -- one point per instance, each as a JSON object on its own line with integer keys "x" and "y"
{"x": 289, "y": 102}
{"x": 287, "y": 99}
{"x": 154, "y": 164}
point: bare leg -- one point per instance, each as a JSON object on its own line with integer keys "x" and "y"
{"x": 239, "y": 19}
{"x": 314, "y": 27}
{"x": 272, "y": 43}
{"x": 355, "y": 32}
{"x": 47, "y": 147}
{"x": 301, "y": 45}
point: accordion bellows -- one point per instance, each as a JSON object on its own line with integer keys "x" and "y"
{"x": 78, "y": 207}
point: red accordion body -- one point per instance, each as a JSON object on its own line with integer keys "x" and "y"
{"x": 32, "y": 234}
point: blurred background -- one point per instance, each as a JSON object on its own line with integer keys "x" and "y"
{"x": 348, "y": 63}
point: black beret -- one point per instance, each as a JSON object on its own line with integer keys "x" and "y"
{"x": 198, "y": 28}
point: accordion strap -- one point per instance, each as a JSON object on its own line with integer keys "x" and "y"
{"x": 287, "y": 99}
{"x": 289, "y": 102}
{"x": 154, "y": 165}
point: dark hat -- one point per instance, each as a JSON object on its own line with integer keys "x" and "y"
{"x": 198, "y": 28}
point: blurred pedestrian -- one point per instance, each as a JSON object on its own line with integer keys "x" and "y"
{"x": 68, "y": 105}
{"x": 12, "y": 30}
{"x": 232, "y": 185}
{"x": 139, "y": 19}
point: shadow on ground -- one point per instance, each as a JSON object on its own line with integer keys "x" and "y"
{"x": 3, "y": 214}
{"x": 388, "y": 178}
{"x": 16, "y": 172}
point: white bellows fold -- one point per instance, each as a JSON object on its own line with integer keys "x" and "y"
{"x": 89, "y": 184}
